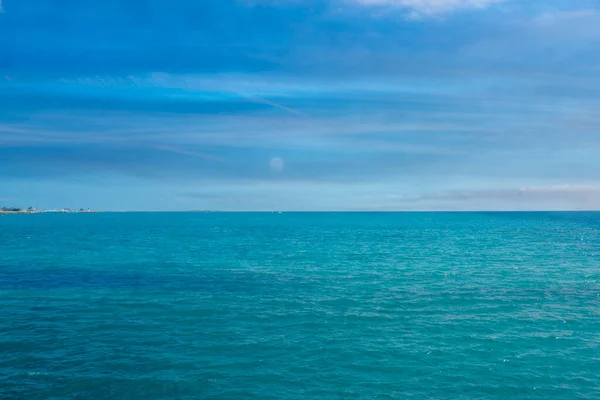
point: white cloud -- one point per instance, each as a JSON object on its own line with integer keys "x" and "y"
{"x": 568, "y": 17}
{"x": 424, "y": 8}
{"x": 416, "y": 8}
{"x": 559, "y": 197}
{"x": 559, "y": 190}
{"x": 568, "y": 25}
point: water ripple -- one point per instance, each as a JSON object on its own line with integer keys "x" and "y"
{"x": 267, "y": 306}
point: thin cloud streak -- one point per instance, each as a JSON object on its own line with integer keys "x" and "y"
{"x": 261, "y": 100}
{"x": 429, "y": 8}
{"x": 557, "y": 197}
{"x": 190, "y": 153}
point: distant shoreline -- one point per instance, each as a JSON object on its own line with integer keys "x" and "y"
{"x": 31, "y": 212}
{"x": 28, "y": 212}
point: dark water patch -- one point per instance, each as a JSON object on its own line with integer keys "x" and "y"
{"x": 138, "y": 278}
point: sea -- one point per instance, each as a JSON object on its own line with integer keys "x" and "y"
{"x": 142, "y": 306}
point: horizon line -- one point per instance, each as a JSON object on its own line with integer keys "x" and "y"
{"x": 322, "y": 211}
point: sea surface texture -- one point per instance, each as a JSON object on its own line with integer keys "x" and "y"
{"x": 300, "y": 306}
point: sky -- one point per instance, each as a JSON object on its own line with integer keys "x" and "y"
{"x": 248, "y": 105}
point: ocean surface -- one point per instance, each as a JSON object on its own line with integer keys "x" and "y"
{"x": 300, "y": 306}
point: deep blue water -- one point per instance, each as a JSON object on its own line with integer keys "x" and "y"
{"x": 294, "y": 306}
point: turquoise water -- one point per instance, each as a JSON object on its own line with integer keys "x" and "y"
{"x": 293, "y": 306}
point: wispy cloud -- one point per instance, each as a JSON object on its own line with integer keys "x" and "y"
{"x": 553, "y": 18}
{"x": 559, "y": 190}
{"x": 257, "y": 99}
{"x": 429, "y": 8}
{"x": 189, "y": 153}
{"x": 415, "y": 8}
{"x": 555, "y": 197}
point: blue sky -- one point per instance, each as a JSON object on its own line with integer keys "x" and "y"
{"x": 300, "y": 104}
